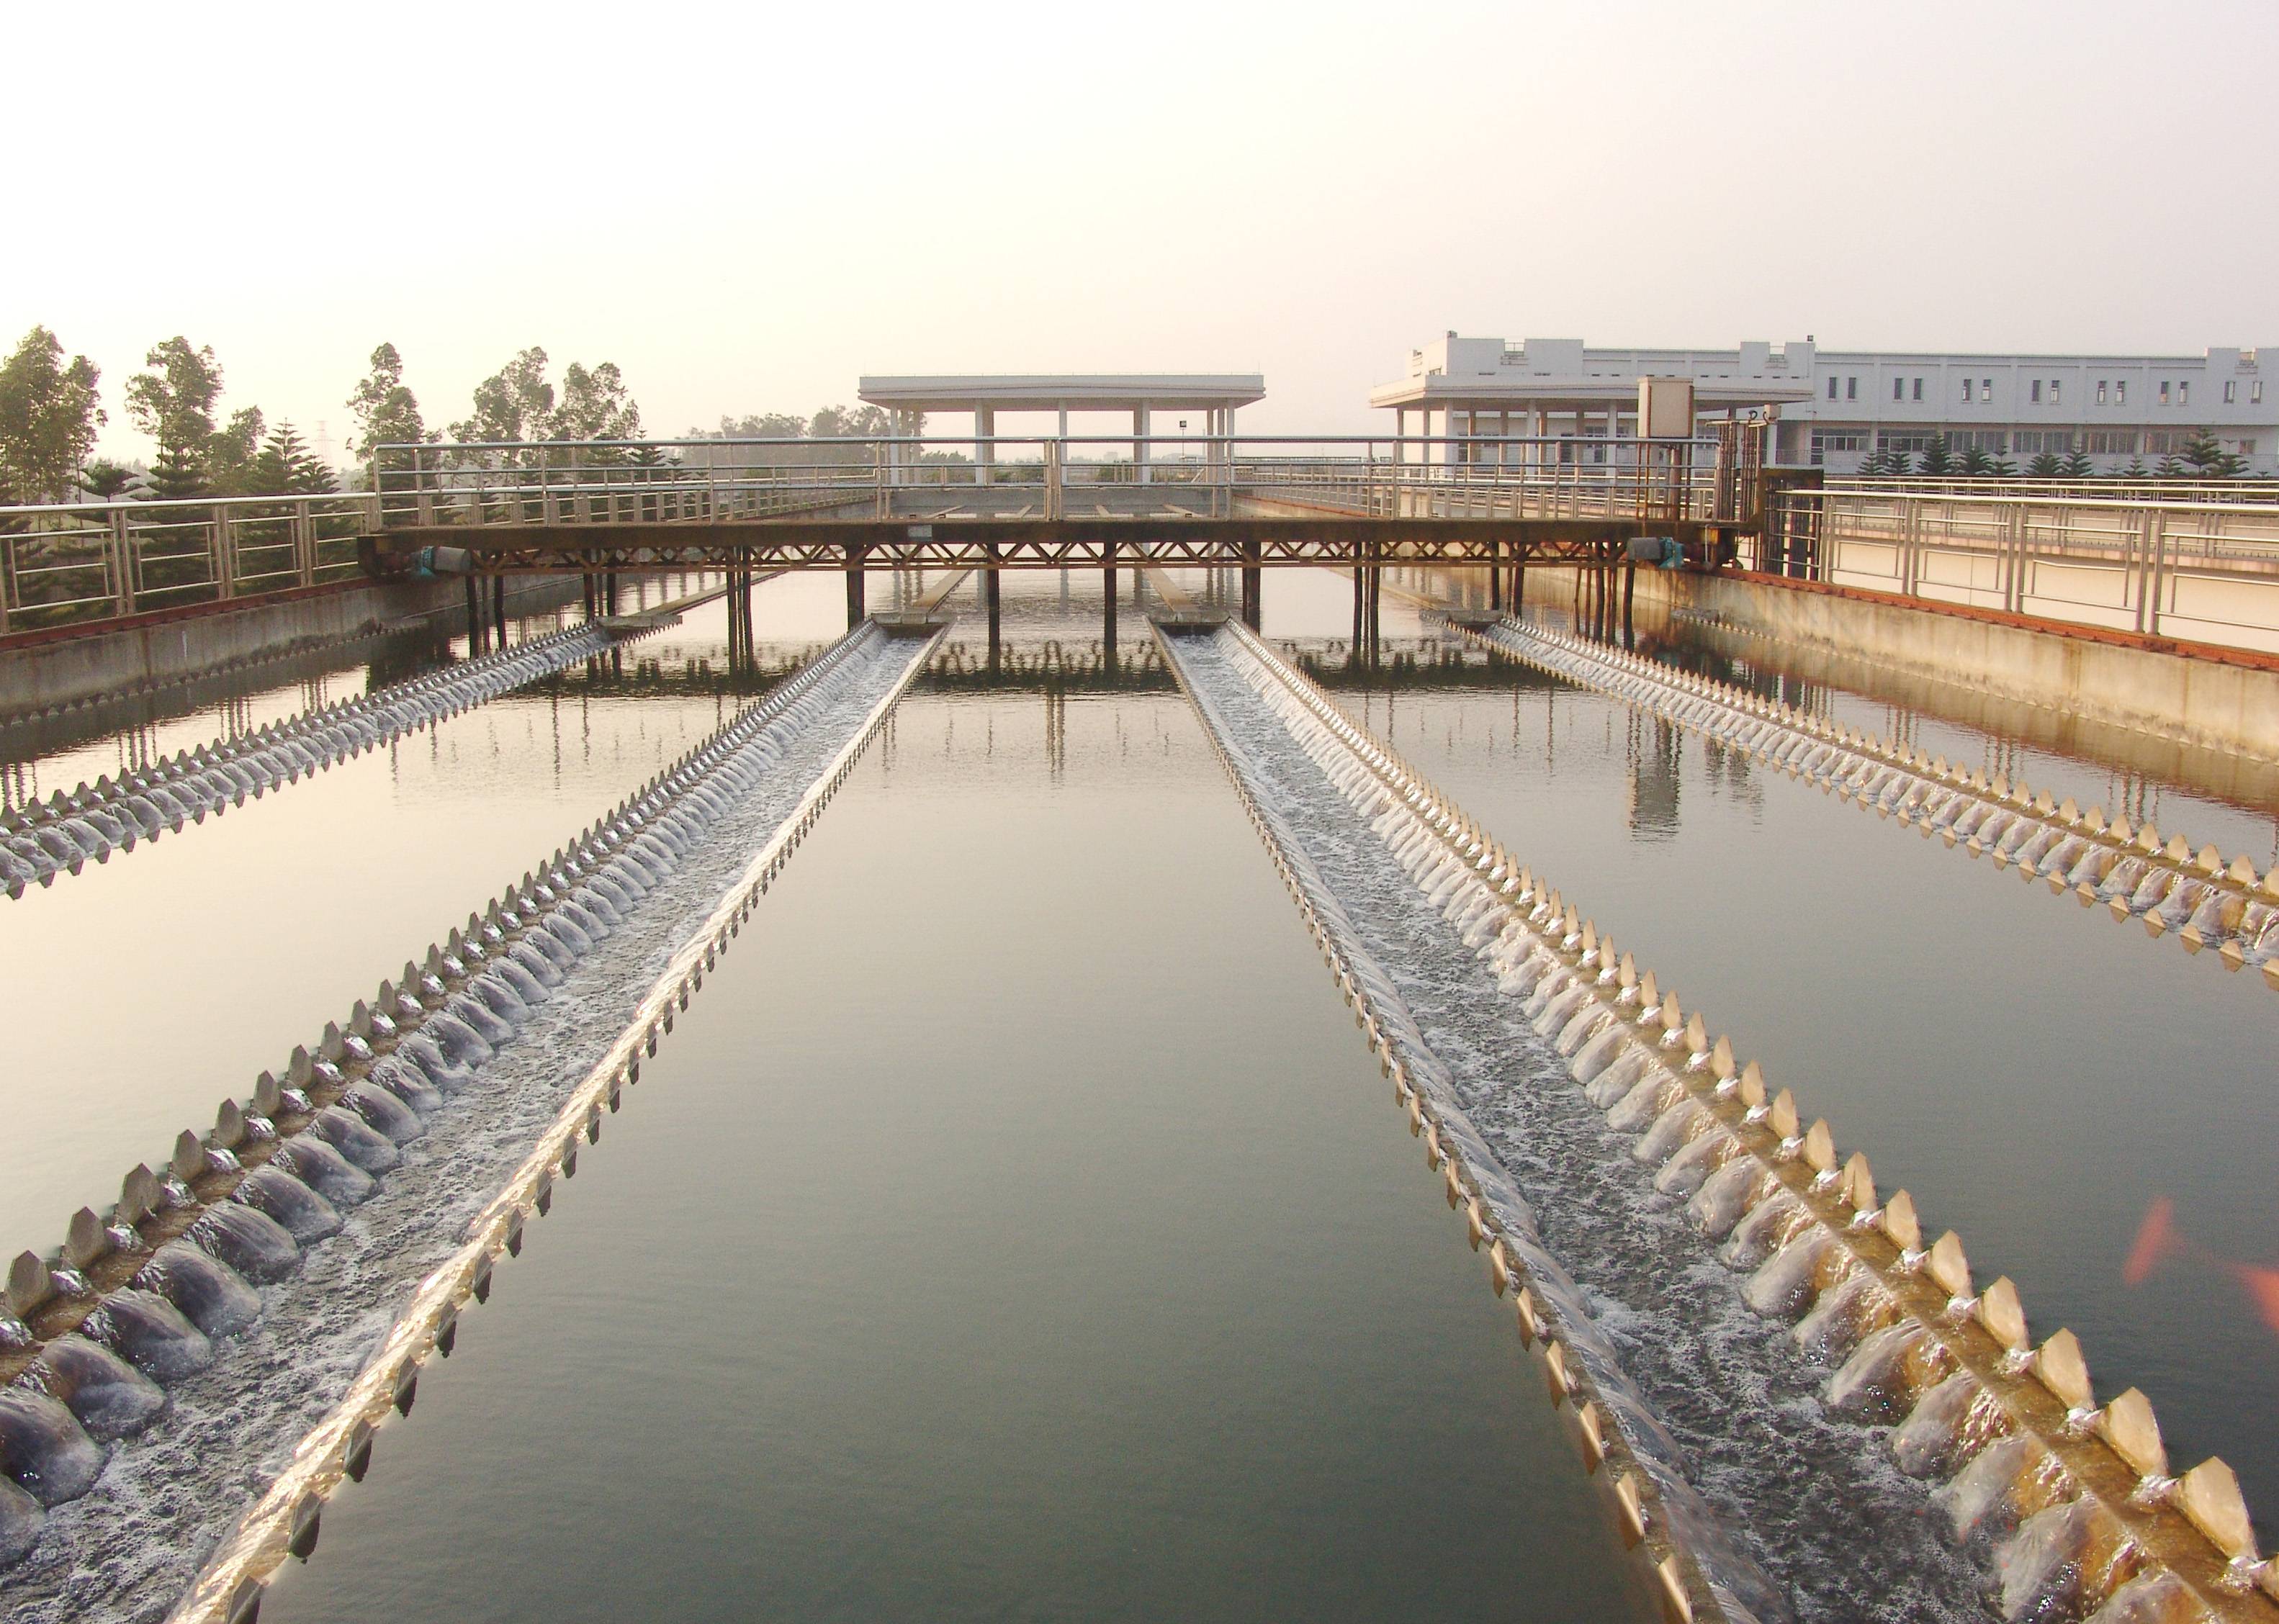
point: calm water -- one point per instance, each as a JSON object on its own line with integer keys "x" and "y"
{"x": 1016, "y": 1227}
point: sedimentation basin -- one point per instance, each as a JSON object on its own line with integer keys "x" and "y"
{"x": 1014, "y": 1220}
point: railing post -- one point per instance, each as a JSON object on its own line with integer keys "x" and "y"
{"x": 2159, "y": 526}
{"x": 304, "y": 543}
{"x": 2140, "y": 565}
{"x": 122, "y": 554}
{"x": 217, "y": 553}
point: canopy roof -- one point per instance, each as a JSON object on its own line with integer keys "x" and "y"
{"x": 1075, "y": 391}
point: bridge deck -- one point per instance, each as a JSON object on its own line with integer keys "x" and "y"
{"x": 1019, "y": 543}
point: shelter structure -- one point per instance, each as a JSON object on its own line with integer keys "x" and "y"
{"x": 1215, "y": 397}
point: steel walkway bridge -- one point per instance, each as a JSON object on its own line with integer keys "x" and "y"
{"x": 1247, "y": 504}
{"x": 2200, "y": 560}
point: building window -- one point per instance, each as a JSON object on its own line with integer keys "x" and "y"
{"x": 1832, "y": 388}
{"x": 2255, "y": 392}
{"x": 1899, "y": 389}
{"x": 1986, "y": 390}
{"x": 2108, "y": 442}
{"x": 1851, "y": 388}
{"x": 2185, "y": 394}
{"x": 2056, "y": 386}
{"x": 1825, "y": 440}
{"x": 2164, "y": 391}
{"x": 1966, "y": 392}
{"x": 2230, "y": 391}
{"x": 2100, "y": 392}
{"x": 2247, "y": 448}
{"x": 2037, "y": 391}
{"x": 1919, "y": 389}
{"x": 2120, "y": 392}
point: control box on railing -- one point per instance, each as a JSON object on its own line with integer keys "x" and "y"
{"x": 1665, "y": 408}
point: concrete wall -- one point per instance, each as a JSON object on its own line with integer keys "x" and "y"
{"x": 2208, "y": 703}
{"x": 42, "y": 676}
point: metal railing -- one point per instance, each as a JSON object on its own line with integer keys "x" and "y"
{"x": 702, "y": 480}
{"x": 64, "y": 563}
{"x": 2198, "y": 562}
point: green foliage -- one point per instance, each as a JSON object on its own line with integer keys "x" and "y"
{"x": 103, "y": 478}
{"x": 173, "y": 403}
{"x": 517, "y": 404}
{"x": 2173, "y": 467}
{"x": 2204, "y": 458}
{"x": 835, "y": 434}
{"x": 49, "y": 413}
{"x": 514, "y": 403}
{"x": 1978, "y": 463}
{"x": 2135, "y": 469}
{"x": 2077, "y": 466}
{"x": 1884, "y": 462}
{"x": 595, "y": 406}
{"x": 1938, "y": 458}
{"x": 387, "y": 413}
{"x": 2003, "y": 468}
{"x": 285, "y": 466}
{"x": 768, "y": 426}
{"x": 230, "y": 451}
{"x": 2046, "y": 466}
{"x": 176, "y": 474}
{"x": 850, "y": 422}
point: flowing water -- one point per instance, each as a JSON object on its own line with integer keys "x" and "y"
{"x": 1016, "y": 1226}
{"x": 2038, "y": 1075}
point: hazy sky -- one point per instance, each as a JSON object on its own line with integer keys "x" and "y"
{"x": 747, "y": 207}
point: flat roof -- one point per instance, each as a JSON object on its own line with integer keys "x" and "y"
{"x": 1534, "y": 388}
{"x": 1078, "y": 391}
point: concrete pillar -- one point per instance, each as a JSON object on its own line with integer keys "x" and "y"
{"x": 1108, "y": 614}
{"x": 984, "y": 455}
{"x": 1142, "y": 427}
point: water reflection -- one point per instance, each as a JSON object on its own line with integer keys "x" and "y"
{"x": 1090, "y": 1277}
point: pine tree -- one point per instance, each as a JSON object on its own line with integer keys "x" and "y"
{"x": 2206, "y": 458}
{"x": 287, "y": 467}
{"x": 2077, "y": 466}
{"x": 1938, "y": 458}
{"x": 103, "y": 478}
{"x": 176, "y": 475}
{"x": 2135, "y": 469}
{"x": 2004, "y": 469}
{"x": 1978, "y": 463}
{"x": 2046, "y": 466}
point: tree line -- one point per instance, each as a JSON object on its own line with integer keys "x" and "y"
{"x": 2203, "y": 458}
{"x": 52, "y": 407}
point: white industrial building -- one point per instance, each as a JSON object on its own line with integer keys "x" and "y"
{"x": 1838, "y": 407}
